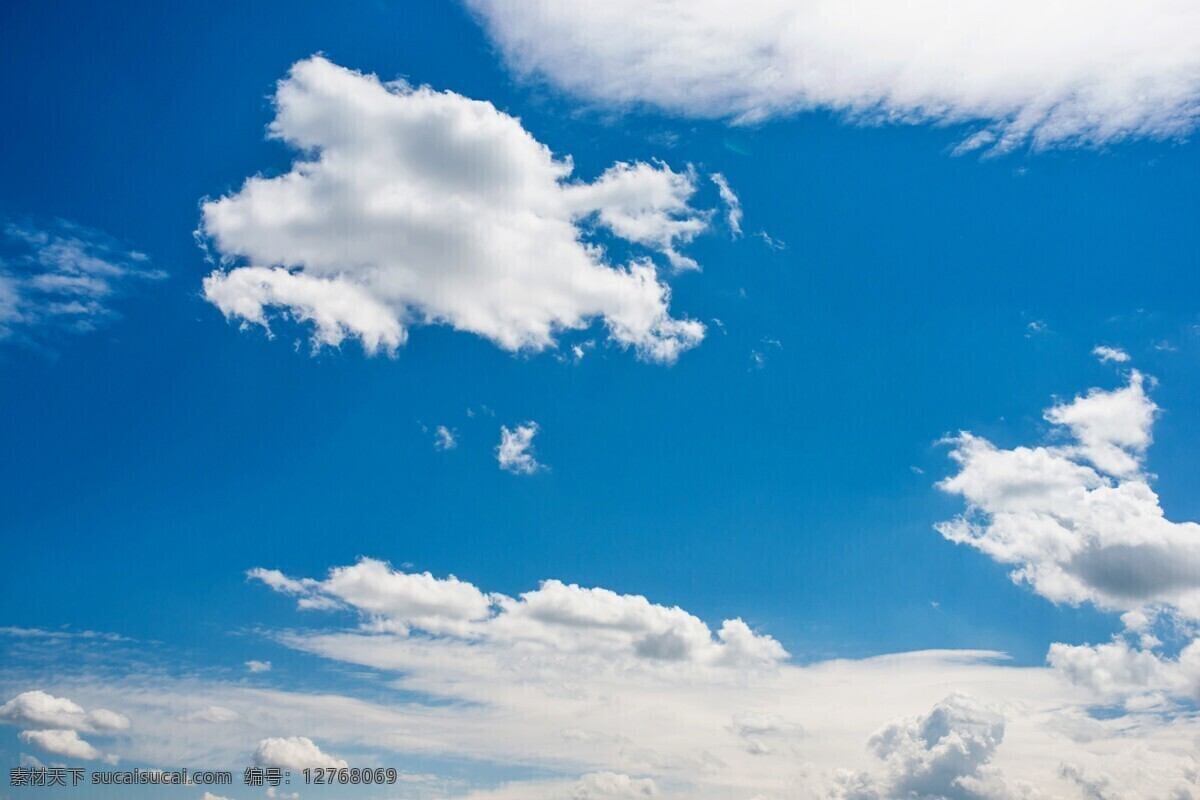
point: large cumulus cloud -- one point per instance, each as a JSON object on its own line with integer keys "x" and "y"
{"x": 411, "y": 206}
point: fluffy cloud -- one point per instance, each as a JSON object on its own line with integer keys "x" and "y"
{"x": 1049, "y": 73}
{"x": 1080, "y": 523}
{"x": 444, "y": 439}
{"x": 61, "y": 277}
{"x": 638, "y": 691}
{"x": 392, "y": 601}
{"x": 556, "y": 617}
{"x": 412, "y": 206}
{"x": 1135, "y": 676}
{"x": 1108, "y": 354}
{"x": 294, "y": 752}
{"x": 64, "y": 743}
{"x": 1079, "y": 520}
{"x": 942, "y": 754}
{"x": 38, "y": 709}
{"x": 515, "y": 452}
{"x": 1112, "y": 428}
{"x": 57, "y": 721}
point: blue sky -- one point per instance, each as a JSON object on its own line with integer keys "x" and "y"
{"x": 783, "y": 471}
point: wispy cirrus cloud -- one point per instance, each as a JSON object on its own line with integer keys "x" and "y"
{"x": 62, "y": 277}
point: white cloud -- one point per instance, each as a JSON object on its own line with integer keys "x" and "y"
{"x": 38, "y": 709}
{"x": 211, "y": 796}
{"x": 1079, "y": 521}
{"x": 578, "y": 351}
{"x": 61, "y": 277}
{"x": 258, "y": 666}
{"x": 412, "y": 206}
{"x": 618, "y": 684}
{"x": 554, "y": 617}
{"x": 335, "y": 306}
{"x": 1107, "y": 354}
{"x": 645, "y": 204}
{"x": 1060, "y": 73}
{"x": 733, "y": 205}
{"x": 944, "y": 754}
{"x": 1138, "y": 677}
{"x": 563, "y": 693}
{"x": 64, "y": 743}
{"x": 692, "y": 728}
{"x": 279, "y": 582}
{"x": 294, "y": 752}
{"x": 443, "y": 438}
{"x": 515, "y": 452}
{"x": 1112, "y": 428}
{"x": 609, "y": 695}
{"x": 391, "y": 600}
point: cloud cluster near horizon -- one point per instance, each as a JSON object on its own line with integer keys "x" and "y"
{"x": 650, "y": 693}
{"x": 411, "y": 206}
{"x": 595, "y": 694}
{"x": 1047, "y": 74}
{"x": 628, "y": 698}
{"x": 53, "y": 724}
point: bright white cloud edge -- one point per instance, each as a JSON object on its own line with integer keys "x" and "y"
{"x": 1048, "y": 74}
